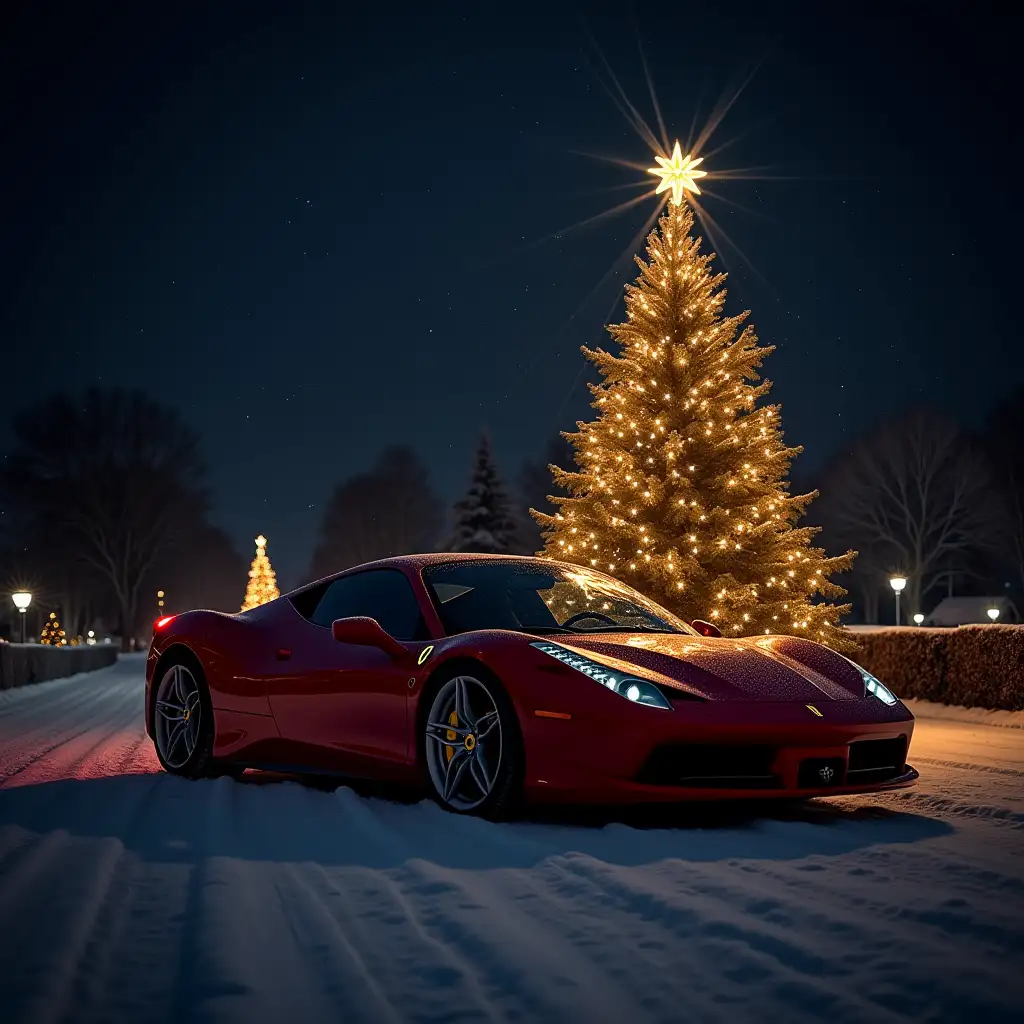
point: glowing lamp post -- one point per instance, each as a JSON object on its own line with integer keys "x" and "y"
{"x": 918, "y": 618}
{"x": 898, "y": 583}
{"x": 993, "y": 614}
{"x": 21, "y": 601}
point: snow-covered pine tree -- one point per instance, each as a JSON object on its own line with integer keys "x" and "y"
{"x": 484, "y": 519}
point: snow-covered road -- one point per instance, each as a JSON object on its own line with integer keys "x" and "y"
{"x": 129, "y": 895}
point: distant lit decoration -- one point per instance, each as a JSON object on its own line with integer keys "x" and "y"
{"x": 52, "y": 634}
{"x": 262, "y": 586}
{"x": 680, "y": 486}
{"x": 677, "y": 173}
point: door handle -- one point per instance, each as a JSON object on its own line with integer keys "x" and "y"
{"x": 284, "y": 653}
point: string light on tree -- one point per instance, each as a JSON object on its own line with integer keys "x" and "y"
{"x": 52, "y": 634}
{"x": 682, "y": 482}
{"x": 262, "y": 586}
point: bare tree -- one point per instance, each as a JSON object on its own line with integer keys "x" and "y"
{"x": 916, "y": 495}
{"x": 391, "y": 510}
{"x": 112, "y": 479}
{"x": 207, "y": 572}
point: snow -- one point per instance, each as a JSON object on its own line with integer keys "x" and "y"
{"x": 981, "y": 716}
{"x": 130, "y": 895}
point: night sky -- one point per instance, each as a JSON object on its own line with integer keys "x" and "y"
{"x": 319, "y": 229}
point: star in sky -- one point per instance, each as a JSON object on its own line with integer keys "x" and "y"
{"x": 677, "y": 173}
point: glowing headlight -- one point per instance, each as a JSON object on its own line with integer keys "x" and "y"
{"x": 878, "y": 689}
{"x": 639, "y": 691}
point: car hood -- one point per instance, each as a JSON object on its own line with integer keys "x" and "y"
{"x": 771, "y": 668}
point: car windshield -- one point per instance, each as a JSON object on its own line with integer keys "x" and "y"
{"x": 541, "y": 597}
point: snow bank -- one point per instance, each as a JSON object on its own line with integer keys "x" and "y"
{"x": 981, "y": 716}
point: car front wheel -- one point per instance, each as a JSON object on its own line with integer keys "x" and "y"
{"x": 473, "y": 747}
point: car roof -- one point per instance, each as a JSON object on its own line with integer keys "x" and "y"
{"x": 422, "y": 561}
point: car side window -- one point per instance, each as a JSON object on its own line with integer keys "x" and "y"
{"x": 383, "y": 594}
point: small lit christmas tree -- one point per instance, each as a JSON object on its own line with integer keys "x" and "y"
{"x": 682, "y": 490}
{"x": 52, "y": 634}
{"x": 262, "y": 586}
{"x": 484, "y": 521}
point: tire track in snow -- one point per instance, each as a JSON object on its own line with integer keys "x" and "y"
{"x": 411, "y": 945}
{"x": 85, "y": 985}
{"x": 60, "y": 760}
{"x": 329, "y": 937}
{"x": 719, "y": 936}
{"x": 84, "y": 898}
{"x": 117, "y": 711}
{"x": 900, "y": 933}
{"x": 21, "y": 736}
{"x": 482, "y": 918}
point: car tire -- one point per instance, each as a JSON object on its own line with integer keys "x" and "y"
{"x": 498, "y": 765}
{"x": 184, "y": 746}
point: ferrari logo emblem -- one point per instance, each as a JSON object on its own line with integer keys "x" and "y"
{"x": 814, "y": 710}
{"x": 424, "y": 654}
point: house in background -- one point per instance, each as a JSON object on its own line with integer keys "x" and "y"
{"x": 965, "y": 611}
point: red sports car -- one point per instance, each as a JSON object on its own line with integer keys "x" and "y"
{"x": 492, "y": 679}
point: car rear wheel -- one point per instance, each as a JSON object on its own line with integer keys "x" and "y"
{"x": 183, "y": 721}
{"x": 473, "y": 748}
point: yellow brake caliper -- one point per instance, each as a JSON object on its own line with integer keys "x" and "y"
{"x": 449, "y": 752}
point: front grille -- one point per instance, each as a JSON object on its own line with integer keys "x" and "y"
{"x": 877, "y": 760}
{"x": 711, "y": 766}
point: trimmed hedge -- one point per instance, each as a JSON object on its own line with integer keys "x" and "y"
{"x": 22, "y": 664}
{"x": 971, "y": 666}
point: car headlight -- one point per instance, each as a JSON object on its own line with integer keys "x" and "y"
{"x": 877, "y": 688}
{"x": 639, "y": 691}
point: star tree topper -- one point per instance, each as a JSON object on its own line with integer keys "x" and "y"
{"x": 677, "y": 173}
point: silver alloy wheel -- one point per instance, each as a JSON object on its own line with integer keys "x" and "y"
{"x": 463, "y": 743}
{"x": 178, "y": 714}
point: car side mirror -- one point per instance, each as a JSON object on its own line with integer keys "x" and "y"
{"x": 706, "y": 628}
{"x": 367, "y": 632}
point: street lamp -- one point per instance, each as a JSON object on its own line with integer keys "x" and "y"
{"x": 898, "y": 583}
{"x": 993, "y": 614}
{"x": 21, "y": 601}
{"x": 918, "y": 618}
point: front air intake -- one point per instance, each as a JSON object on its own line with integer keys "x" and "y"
{"x": 877, "y": 760}
{"x": 711, "y": 766}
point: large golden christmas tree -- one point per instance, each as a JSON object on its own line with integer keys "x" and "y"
{"x": 262, "y": 586}
{"x": 683, "y": 485}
